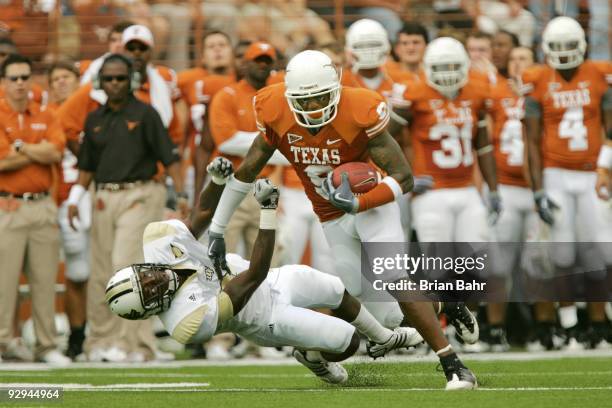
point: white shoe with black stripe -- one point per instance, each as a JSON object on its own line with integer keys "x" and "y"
{"x": 332, "y": 373}
{"x": 402, "y": 337}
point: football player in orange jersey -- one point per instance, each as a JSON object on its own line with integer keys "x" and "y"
{"x": 318, "y": 125}
{"x": 447, "y": 122}
{"x": 563, "y": 116}
{"x": 518, "y": 220}
{"x": 64, "y": 81}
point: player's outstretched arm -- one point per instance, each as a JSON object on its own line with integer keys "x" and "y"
{"x": 220, "y": 169}
{"x": 533, "y": 130}
{"x": 240, "y": 289}
{"x": 387, "y": 154}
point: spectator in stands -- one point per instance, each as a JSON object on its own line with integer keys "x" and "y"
{"x": 31, "y": 142}
{"x": 63, "y": 79}
{"x": 457, "y": 14}
{"x": 178, "y": 16}
{"x": 7, "y": 47}
{"x": 507, "y": 15}
{"x": 126, "y": 199}
{"x": 409, "y": 48}
{"x": 287, "y": 24}
{"x": 89, "y": 69}
{"x": 221, "y": 15}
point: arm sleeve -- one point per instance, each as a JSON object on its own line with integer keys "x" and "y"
{"x": 73, "y": 113}
{"x": 223, "y": 117}
{"x": 5, "y": 146}
{"x": 378, "y": 117}
{"x": 55, "y": 134}
{"x": 158, "y": 139}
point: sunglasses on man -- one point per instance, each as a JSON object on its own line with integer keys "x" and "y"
{"x": 118, "y": 78}
{"x": 136, "y": 46}
{"x": 15, "y": 78}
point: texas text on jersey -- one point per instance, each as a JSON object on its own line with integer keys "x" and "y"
{"x": 362, "y": 115}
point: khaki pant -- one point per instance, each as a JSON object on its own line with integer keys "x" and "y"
{"x": 29, "y": 241}
{"x": 244, "y": 226}
{"x": 119, "y": 220}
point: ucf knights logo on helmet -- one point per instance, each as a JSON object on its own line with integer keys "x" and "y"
{"x": 141, "y": 290}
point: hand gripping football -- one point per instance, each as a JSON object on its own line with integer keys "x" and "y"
{"x": 362, "y": 176}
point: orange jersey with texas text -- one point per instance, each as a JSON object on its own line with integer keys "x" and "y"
{"x": 442, "y": 131}
{"x": 571, "y": 112}
{"x": 362, "y": 115}
{"x": 507, "y": 110}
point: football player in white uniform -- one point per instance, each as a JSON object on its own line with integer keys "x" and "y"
{"x": 180, "y": 284}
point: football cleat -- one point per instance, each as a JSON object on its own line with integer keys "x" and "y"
{"x": 464, "y": 321}
{"x": 329, "y": 372}
{"x": 460, "y": 378}
{"x": 402, "y": 337}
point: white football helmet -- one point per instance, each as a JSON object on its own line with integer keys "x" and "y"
{"x": 312, "y": 75}
{"x": 564, "y": 43}
{"x": 367, "y": 43}
{"x": 446, "y": 65}
{"x": 141, "y": 290}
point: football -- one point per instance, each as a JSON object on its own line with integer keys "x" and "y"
{"x": 362, "y": 176}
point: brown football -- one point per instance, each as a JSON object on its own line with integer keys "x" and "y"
{"x": 362, "y": 176}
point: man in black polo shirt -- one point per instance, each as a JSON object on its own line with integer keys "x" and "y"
{"x": 123, "y": 142}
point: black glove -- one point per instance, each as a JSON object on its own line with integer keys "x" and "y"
{"x": 422, "y": 184}
{"x": 545, "y": 206}
{"x": 216, "y": 253}
{"x": 266, "y": 194}
{"x": 341, "y": 197}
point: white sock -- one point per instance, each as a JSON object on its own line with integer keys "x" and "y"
{"x": 568, "y": 316}
{"x": 369, "y": 326}
{"x": 314, "y": 356}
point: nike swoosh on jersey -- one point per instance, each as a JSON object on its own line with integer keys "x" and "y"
{"x": 331, "y": 142}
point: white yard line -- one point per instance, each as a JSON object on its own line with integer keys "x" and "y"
{"x": 513, "y": 356}
{"x": 78, "y": 387}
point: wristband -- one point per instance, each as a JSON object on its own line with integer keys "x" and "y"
{"x": 219, "y": 180}
{"x": 77, "y": 192}
{"x": 484, "y": 150}
{"x": 267, "y": 219}
{"x": 605, "y": 157}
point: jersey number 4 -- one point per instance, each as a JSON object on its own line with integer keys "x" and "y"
{"x": 572, "y": 128}
{"x": 512, "y": 142}
{"x": 456, "y": 145}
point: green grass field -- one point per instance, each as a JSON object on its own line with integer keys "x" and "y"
{"x": 570, "y": 382}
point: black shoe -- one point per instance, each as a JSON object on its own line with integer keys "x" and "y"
{"x": 497, "y": 339}
{"x": 75, "y": 342}
{"x": 458, "y": 376}
{"x": 464, "y": 321}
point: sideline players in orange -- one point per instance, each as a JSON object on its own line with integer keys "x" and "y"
{"x": 233, "y": 129}
{"x": 518, "y": 220}
{"x": 31, "y": 142}
{"x": 318, "y": 125}
{"x": 563, "y": 116}
{"x": 197, "y": 87}
{"x": 447, "y": 123}
{"x": 63, "y": 82}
